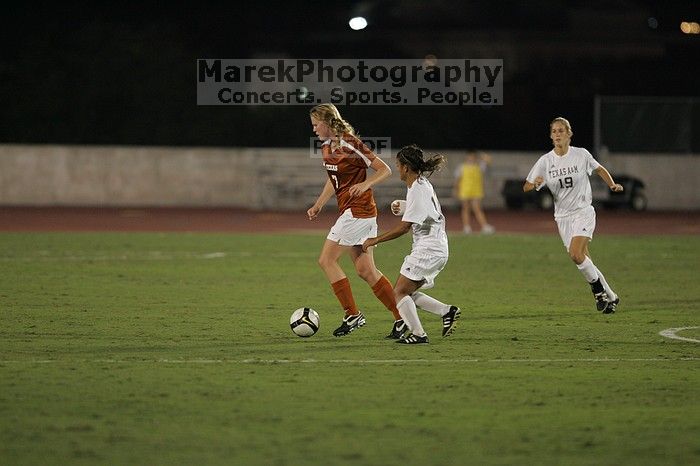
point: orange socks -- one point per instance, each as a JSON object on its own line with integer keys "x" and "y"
{"x": 382, "y": 290}
{"x": 342, "y": 291}
{"x": 385, "y": 293}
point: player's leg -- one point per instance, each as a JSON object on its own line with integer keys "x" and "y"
{"x": 342, "y": 237}
{"x": 356, "y": 233}
{"x": 364, "y": 265}
{"x": 613, "y": 298}
{"x": 576, "y": 232}
{"x": 480, "y": 217}
{"x": 429, "y": 267}
{"x": 403, "y": 289}
{"x": 328, "y": 260}
{"x": 466, "y": 227}
{"x": 448, "y": 312}
{"x": 381, "y": 286}
{"x": 578, "y": 254}
{"x": 430, "y": 304}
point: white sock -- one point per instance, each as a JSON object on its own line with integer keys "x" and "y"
{"x": 407, "y": 309}
{"x": 588, "y": 270}
{"x": 430, "y": 304}
{"x": 611, "y": 294}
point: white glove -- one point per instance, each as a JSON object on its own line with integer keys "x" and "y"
{"x": 398, "y": 207}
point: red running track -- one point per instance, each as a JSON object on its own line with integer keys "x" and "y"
{"x": 239, "y": 220}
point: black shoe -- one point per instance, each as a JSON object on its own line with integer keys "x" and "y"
{"x": 349, "y": 324}
{"x": 414, "y": 340}
{"x": 601, "y": 300}
{"x": 612, "y": 306}
{"x": 449, "y": 320}
{"x": 398, "y": 330}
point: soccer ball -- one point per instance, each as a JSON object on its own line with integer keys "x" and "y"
{"x": 304, "y": 322}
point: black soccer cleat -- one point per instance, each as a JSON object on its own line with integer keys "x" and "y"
{"x": 601, "y": 301}
{"x": 398, "y": 330}
{"x": 612, "y": 306}
{"x": 601, "y": 298}
{"x": 413, "y": 340}
{"x": 449, "y": 320}
{"x": 349, "y": 324}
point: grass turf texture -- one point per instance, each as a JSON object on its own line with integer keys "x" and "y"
{"x": 176, "y": 349}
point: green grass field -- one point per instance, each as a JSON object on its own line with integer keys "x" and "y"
{"x": 176, "y": 349}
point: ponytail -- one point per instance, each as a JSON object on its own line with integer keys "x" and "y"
{"x": 329, "y": 114}
{"x": 412, "y": 156}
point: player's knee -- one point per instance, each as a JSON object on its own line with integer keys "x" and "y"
{"x": 577, "y": 256}
{"x": 362, "y": 273}
{"x": 399, "y": 294}
{"x": 324, "y": 262}
{"x": 367, "y": 273}
{"x": 401, "y": 291}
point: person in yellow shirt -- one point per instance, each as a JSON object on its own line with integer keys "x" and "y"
{"x": 469, "y": 189}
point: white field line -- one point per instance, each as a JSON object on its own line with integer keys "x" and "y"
{"x": 671, "y": 333}
{"x": 149, "y": 256}
{"x": 344, "y": 361}
{"x": 46, "y": 256}
{"x": 459, "y": 361}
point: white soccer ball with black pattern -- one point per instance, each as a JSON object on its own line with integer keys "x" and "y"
{"x": 304, "y": 322}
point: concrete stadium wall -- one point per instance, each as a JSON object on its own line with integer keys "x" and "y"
{"x": 267, "y": 178}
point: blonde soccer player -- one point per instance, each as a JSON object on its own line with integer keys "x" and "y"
{"x": 565, "y": 171}
{"x": 347, "y": 161}
{"x": 423, "y": 216}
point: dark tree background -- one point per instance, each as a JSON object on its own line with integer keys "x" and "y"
{"x": 79, "y": 73}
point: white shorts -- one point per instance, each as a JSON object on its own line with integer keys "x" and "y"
{"x": 579, "y": 224}
{"x": 423, "y": 267}
{"x": 351, "y": 231}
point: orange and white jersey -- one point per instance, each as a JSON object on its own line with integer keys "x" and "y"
{"x": 347, "y": 165}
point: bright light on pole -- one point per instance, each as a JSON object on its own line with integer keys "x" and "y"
{"x": 357, "y": 23}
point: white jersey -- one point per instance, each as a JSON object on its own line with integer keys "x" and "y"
{"x": 566, "y": 177}
{"x": 423, "y": 210}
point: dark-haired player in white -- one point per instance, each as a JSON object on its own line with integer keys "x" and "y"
{"x": 565, "y": 171}
{"x": 429, "y": 253}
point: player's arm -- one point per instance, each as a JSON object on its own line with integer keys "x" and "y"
{"x": 382, "y": 171}
{"x": 605, "y": 175}
{"x": 399, "y": 230}
{"x": 458, "y": 181}
{"x": 536, "y": 185}
{"x": 535, "y": 179}
{"x": 484, "y": 161}
{"x": 324, "y": 197}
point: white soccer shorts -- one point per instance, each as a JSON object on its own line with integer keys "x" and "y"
{"x": 351, "y": 231}
{"x": 579, "y": 224}
{"x": 423, "y": 267}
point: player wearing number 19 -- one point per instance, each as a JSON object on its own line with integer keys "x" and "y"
{"x": 346, "y": 160}
{"x": 565, "y": 171}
